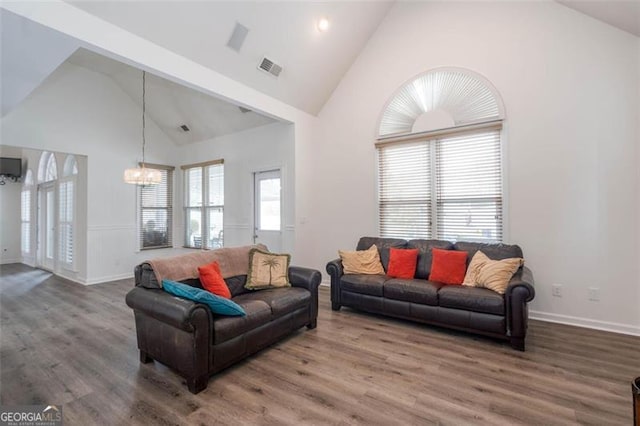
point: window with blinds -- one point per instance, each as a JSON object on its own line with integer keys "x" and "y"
{"x": 204, "y": 204}
{"x": 448, "y": 187}
{"x": 405, "y": 190}
{"x": 156, "y": 211}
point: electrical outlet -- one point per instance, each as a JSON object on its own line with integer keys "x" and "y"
{"x": 556, "y": 290}
{"x": 594, "y": 294}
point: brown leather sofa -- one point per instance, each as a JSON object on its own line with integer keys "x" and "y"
{"x": 471, "y": 309}
{"x": 188, "y": 338}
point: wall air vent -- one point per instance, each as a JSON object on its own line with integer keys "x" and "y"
{"x": 244, "y": 110}
{"x": 267, "y": 65}
{"x": 185, "y": 128}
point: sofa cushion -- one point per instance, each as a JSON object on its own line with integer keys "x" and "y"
{"x": 218, "y": 305}
{"x": 493, "y": 251}
{"x": 366, "y": 262}
{"x": 424, "y": 254}
{"x": 364, "y": 284}
{"x": 402, "y": 263}
{"x": 236, "y": 285}
{"x": 415, "y": 291}
{"x": 267, "y": 270}
{"x": 448, "y": 266}
{"x": 281, "y": 300}
{"x": 226, "y": 328}
{"x": 383, "y": 244}
{"x": 471, "y": 299}
{"x": 211, "y": 279}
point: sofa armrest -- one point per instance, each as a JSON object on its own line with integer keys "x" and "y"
{"x": 305, "y": 278}
{"x": 145, "y": 277}
{"x": 174, "y": 311}
{"x": 335, "y": 271}
{"x": 519, "y": 292}
{"x": 521, "y": 285}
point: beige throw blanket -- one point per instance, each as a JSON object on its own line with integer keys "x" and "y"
{"x": 233, "y": 261}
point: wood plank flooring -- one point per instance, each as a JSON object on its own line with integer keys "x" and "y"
{"x": 64, "y": 343}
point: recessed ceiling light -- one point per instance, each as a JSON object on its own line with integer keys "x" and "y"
{"x": 323, "y": 24}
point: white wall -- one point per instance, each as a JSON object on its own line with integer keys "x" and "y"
{"x": 569, "y": 84}
{"x": 263, "y": 148}
{"x": 84, "y": 112}
{"x": 10, "y": 214}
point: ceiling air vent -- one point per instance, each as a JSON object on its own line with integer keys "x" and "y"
{"x": 267, "y": 65}
{"x": 185, "y": 128}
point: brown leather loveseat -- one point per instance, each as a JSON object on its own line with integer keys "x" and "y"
{"x": 477, "y": 310}
{"x": 190, "y": 339}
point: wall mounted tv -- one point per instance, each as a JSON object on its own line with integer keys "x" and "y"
{"x": 11, "y": 167}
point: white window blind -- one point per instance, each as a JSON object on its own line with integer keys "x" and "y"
{"x": 156, "y": 211}
{"x": 405, "y": 190}
{"x": 469, "y": 187}
{"x": 447, "y": 188}
{"x": 65, "y": 220}
{"x": 25, "y": 216}
{"x": 204, "y": 204}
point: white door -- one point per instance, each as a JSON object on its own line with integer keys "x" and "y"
{"x": 267, "y": 216}
{"x": 46, "y": 226}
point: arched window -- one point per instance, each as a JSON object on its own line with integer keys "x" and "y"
{"x": 25, "y": 213}
{"x": 66, "y": 211}
{"x": 47, "y": 169}
{"x": 440, "y": 159}
{"x": 70, "y": 166}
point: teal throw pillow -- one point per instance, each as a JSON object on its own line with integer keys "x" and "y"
{"x": 218, "y": 305}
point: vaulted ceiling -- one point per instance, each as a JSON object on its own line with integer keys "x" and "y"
{"x": 313, "y": 62}
{"x": 171, "y": 105}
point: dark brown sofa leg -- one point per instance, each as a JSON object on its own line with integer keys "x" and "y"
{"x": 335, "y": 306}
{"x": 517, "y": 343}
{"x": 145, "y": 358}
{"x": 197, "y": 384}
{"x": 313, "y": 324}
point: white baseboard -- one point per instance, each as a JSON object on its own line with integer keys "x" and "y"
{"x": 106, "y": 278}
{"x": 8, "y": 261}
{"x": 586, "y": 323}
{"x": 326, "y": 282}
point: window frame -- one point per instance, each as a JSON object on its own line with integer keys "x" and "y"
{"x": 431, "y": 138}
{"x": 204, "y": 208}
{"x": 169, "y": 208}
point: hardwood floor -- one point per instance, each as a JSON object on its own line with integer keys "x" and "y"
{"x": 64, "y": 343}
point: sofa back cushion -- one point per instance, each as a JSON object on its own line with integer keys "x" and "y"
{"x": 236, "y": 285}
{"x": 383, "y": 244}
{"x": 423, "y": 269}
{"x": 493, "y": 251}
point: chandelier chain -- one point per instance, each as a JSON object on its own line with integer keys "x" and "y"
{"x": 144, "y": 103}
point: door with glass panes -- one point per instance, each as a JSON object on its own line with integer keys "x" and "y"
{"x": 268, "y": 209}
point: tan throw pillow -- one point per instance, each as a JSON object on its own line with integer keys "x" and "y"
{"x": 477, "y": 262}
{"x": 362, "y": 261}
{"x": 267, "y": 270}
{"x": 492, "y": 274}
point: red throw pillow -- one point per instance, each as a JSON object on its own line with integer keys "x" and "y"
{"x": 212, "y": 280}
{"x": 448, "y": 266}
{"x": 402, "y": 263}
